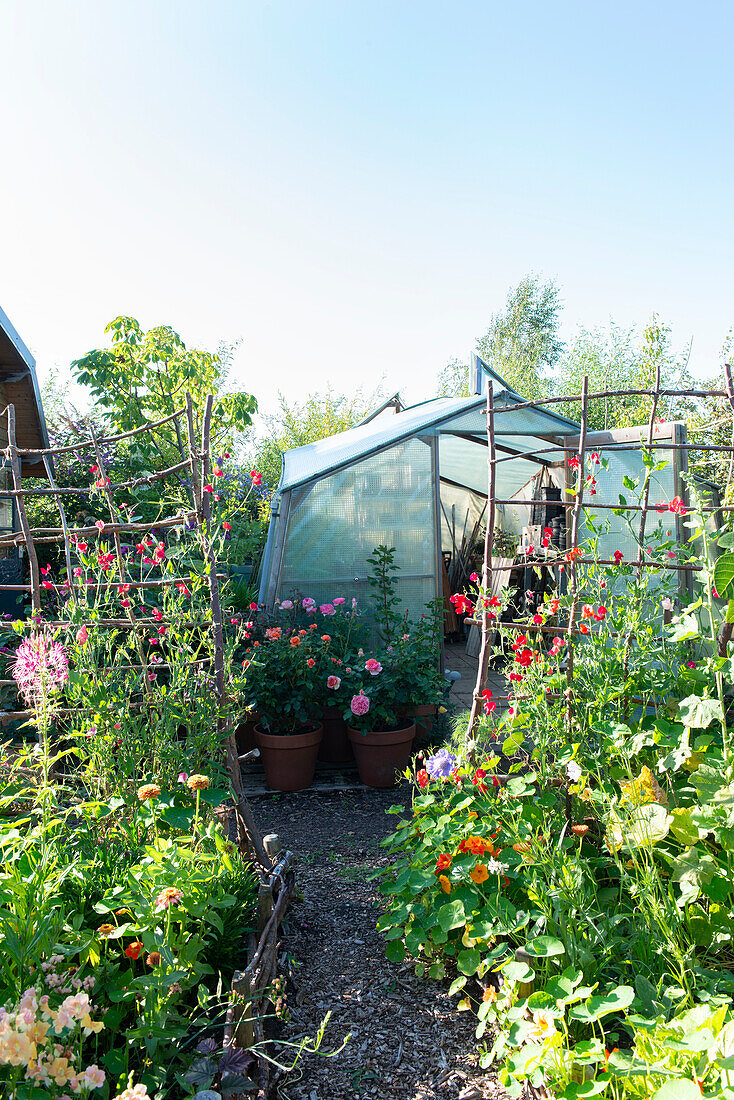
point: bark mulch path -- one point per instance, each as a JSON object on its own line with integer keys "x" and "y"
{"x": 407, "y": 1042}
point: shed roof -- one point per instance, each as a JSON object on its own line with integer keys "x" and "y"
{"x": 19, "y": 379}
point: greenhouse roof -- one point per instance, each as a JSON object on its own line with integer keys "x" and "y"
{"x": 442, "y": 414}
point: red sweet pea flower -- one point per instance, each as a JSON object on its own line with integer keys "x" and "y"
{"x": 462, "y": 605}
{"x": 423, "y": 778}
{"x": 208, "y": 488}
{"x": 618, "y": 555}
{"x": 574, "y": 462}
{"x": 489, "y": 705}
{"x": 255, "y": 477}
{"x": 583, "y": 628}
{"x": 677, "y": 506}
{"x": 227, "y": 526}
{"x": 601, "y": 613}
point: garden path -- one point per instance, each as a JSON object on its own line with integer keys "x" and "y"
{"x": 408, "y": 1042}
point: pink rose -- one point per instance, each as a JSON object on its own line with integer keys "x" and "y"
{"x": 360, "y": 704}
{"x": 286, "y": 605}
{"x": 327, "y": 609}
{"x": 373, "y": 667}
{"x": 307, "y": 604}
{"x": 333, "y": 682}
{"x": 338, "y": 600}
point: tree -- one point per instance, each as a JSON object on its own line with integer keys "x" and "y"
{"x": 617, "y": 359}
{"x": 145, "y": 376}
{"x": 295, "y": 425}
{"x": 521, "y": 343}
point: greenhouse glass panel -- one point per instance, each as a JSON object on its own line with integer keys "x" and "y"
{"x": 334, "y": 526}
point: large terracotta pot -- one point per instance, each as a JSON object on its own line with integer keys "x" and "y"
{"x": 335, "y": 746}
{"x": 382, "y": 754}
{"x": 289, "y": 759}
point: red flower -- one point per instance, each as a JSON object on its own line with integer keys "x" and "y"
{"x": 133, "y": 950}
{"x": 255, "y": 477}
{"x": 218, "y": 472}
{"x": 208, "y": 488}
{"x": 183, "y": 589}
{"x": 489, "y": 705}
{"x": 583, "y": 628}
{"x": 462, "y": 605}
{"x": 423, "y": 778}
{"x": 537, "y": 620}
{"x": 574, "y": 462}
{"x": 525, "y": 658}
{"x": 227, "y": 526}
{"x": 677, "y": 506}
{"x": 515, "y": 676}
{"x": 618, "y": 555}
{"x": 443, "y": 863}
{"x": 310, "y": 662}
{"x": 588, "y": 611}
{"x": 600, "y": 613}
{"x": 573, "y": 553}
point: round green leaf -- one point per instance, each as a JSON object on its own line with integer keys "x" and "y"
{"x": 544, "y": 947}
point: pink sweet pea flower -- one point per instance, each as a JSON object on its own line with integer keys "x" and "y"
{"x": 82, "y": 635}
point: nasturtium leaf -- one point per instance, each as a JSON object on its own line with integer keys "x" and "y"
{"x": 544, "y": 947}
{"x": 518, "y": 971}
{"x": 468, "y": 961}
{"x": 678, "y": 1088}
{"x": 601, "y": 1005}
{"x": 682, "y": 826}
{"x": 395, "y": 951}
{"x": 698, "y": 712}
{"x": 457, "y": 984}
{"x": 451, "y": 915}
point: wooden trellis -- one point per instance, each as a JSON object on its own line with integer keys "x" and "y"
{"x": 576, "y": 506}
{"x": 275, "y": 872}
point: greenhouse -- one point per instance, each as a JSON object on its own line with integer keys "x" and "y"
{"x": 416, "y": 479}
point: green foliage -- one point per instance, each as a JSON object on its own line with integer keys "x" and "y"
{"x": 145, "y": 376}
{"x": 295, "y": 425}
{"x": 582, "y": 899}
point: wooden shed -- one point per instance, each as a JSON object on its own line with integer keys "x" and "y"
{"x": 19, "y": 387}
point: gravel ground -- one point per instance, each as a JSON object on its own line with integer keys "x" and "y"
{"x": 407, "y": 1040}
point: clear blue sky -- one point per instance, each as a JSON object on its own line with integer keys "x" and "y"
{"x": 349, "y": 188}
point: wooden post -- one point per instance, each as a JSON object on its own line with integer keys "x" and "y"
{"x": 572, "y": 564}
{"x": 15, "y": 466}
{"x": 483, "y": 666}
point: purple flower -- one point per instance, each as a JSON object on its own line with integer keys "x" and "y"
{"x": 441, "y": 765}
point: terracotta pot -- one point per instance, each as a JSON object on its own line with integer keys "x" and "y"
{"x": 289, "y": 759}
{"x": 245, "y": 733}
{"x": 335, "y": 746}
{"x": 382, "y": 754}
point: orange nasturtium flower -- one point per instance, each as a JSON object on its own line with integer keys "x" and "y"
{"x": 443, "y": 863}
{"x": 133, "y": 950}
{"x": 489, "y": 994}
{"x": 479, "y": 874}
{"x": 445, "y": 884}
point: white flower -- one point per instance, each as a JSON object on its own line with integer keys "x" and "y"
{"x": 573, "y": 771}
{"x": 495, "y": 867}
{"x": 666, "y": 604}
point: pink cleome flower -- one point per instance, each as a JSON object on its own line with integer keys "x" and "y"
{"x": 40, "y": 668}
{"x": 373, "y": 667}
{"x": 360, "y": 704}
{"x": 333, "y": 682}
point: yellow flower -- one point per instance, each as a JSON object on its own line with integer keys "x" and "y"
{"x": 643, "y": 790}
{"x": 543, "y": 1026}
{"x": 479, "y": 874}
{"x": 445, "y": 884}
{"x": 148, "y": 791}
{"x": 106, "y": 929}
{"x": 198, "y": 782}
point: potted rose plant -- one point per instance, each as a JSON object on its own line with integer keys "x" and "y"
{"x": 280, "y": 687}
{"x": 380, "y": 737}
